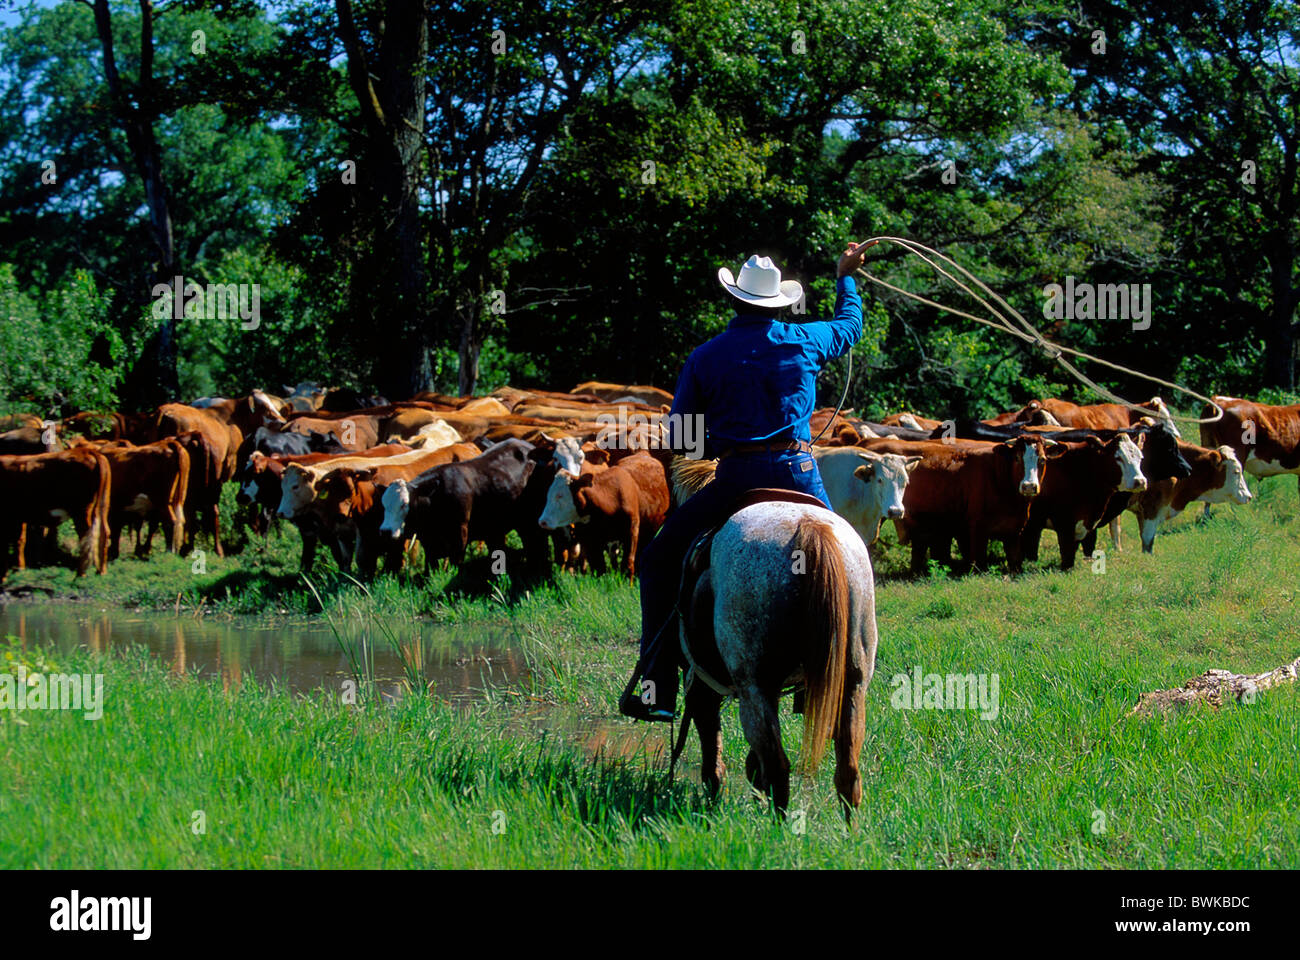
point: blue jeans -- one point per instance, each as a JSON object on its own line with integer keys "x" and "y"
{"x": 660, "y": 563}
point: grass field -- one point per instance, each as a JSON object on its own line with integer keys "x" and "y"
{"x": 1062, "y": 777}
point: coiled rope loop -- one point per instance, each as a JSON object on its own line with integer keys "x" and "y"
{"x": 1028, "y": 333}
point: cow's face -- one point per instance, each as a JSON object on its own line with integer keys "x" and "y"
{"x": 1129, "y": 458}
{"x": 1233, "y": 486}
{"x": 297, "y": 490}
{"x": 1030, "y": 454}
{"x": 560, "y": 510}
{"x": 568, "y": 455}
{"x": 885, "y": 479}
{"x": 397, "y": 506}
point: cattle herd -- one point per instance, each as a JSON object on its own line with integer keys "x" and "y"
{"x": 579, "y": 474}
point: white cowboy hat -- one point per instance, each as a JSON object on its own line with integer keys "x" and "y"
{"x": 760, "y": 284}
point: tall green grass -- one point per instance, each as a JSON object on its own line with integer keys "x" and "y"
{"x": 1064, "y": 777}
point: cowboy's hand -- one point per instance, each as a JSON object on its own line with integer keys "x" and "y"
{"x": 852, "y": 258}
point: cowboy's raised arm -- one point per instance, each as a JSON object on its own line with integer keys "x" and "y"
{"x": 836, "y": 336}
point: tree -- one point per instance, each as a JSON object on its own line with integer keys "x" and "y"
{"x": 1208, "y": 94}
{"x": 137, "y": 111}
{"x": 387, "y": 78}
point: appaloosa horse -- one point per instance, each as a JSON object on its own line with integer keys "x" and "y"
{"x": 788, "y": 595}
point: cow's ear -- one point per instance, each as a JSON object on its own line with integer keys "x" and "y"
{"x": 583, "y": 481}
{"x": 866, "y": 472}
{"x": 252, "y": 402}
{"x": 1006, "y": 449}
{"x": 596, "y": 454}
{"x": 911, "y": 462}
{"x": 363, "y": 476}
{"x": 1095, "y": 441}
{"x": 1054, "y": 449}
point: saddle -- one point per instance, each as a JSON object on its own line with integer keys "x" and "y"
{"x": 703, "y": 662}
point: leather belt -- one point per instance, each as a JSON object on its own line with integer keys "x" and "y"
{"x": 778, "y": 446}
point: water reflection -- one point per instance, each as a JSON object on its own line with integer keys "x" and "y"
{"x": 457, "y": 662}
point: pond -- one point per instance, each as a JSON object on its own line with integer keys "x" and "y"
{"x": 458, "y": 663}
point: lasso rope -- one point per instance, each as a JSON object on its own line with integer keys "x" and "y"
{"x": 1029, "y": 334}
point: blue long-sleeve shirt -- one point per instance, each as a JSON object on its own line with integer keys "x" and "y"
{"x": 756, "y": 381}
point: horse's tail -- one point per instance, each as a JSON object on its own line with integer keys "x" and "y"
{"x": 689, "y": 477}
{"x": 826, "y": 637}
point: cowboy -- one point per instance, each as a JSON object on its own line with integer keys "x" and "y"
{"x": 754, "y": 385}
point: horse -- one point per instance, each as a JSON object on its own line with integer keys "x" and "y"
{"x": 788, "y": 595}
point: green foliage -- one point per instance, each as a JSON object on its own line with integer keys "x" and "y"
{"x": 58, "y": 347}
{"x": 306, "y": 781}
{"x": 14, "y": 652}
{"x": 602, "y": 189}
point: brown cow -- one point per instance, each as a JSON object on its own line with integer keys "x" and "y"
{"x": 912, "y": 421}
{"x": 22, "y": 441}
{"x": 513, "y": 397}
{"x": 150, "y": 483}
{"x": 95, "y": 425}
{"x": 41, "y": 489}
{"x": 1265, "y": 437}
{"x": 1031, "y": 413}
{"x": 214, "y": 461}
{"x": 1076, "y": 491}
{"x": 1217, "y": 477}
{"x": 624, "y": 503}
{"x": 209, "y": 459}
{"x": 259, "y": 483}
{"x": 971, "y": 489}
{"x": 348, "y": 507}
{"x": 612, "y": 392}
{"x": 1097, "y": 416}
{"x": 355, "y": 431}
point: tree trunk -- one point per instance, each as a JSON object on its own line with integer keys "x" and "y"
{"x": 154, "y": 377}
{"x": 393, "y": 113}
{"x": 405, "y": 82}
{"x": 1214, "y": 687}
{"x": 471, "y": 327}
{"x": 470, "y": 348}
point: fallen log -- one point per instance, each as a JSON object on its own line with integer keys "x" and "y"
{"x": 1213, "y": 686}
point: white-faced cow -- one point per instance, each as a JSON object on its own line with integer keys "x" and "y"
{"x": 865, "y": 488}
{"x": 1265, "y": 437}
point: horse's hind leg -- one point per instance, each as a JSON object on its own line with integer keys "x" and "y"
{"x": 762, "y": 728}
{"x": 705, "y": 706}
{"x": 852, "y": 729}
